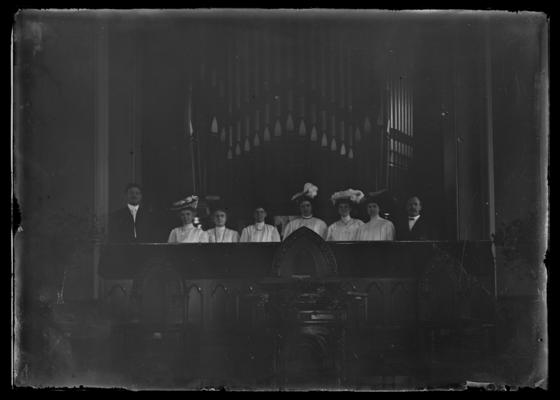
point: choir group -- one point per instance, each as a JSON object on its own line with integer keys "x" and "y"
{"x": 345, "y": 229}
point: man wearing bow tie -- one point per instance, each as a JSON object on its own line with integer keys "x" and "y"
{"x": 415, "y": 227}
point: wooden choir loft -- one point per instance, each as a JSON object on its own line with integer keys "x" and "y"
{"x": 248, "y": 106}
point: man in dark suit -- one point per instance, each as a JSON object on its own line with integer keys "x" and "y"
{"x": 415, "y": 227}
{"x": 132, "y": 223}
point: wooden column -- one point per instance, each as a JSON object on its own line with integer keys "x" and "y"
{"x": 449, "y": 137}
{"x": 136, "y": 132}
{"x": 491, "y": 210}
{"x": 490, "y": 199}
{"x": 101, "y": 140}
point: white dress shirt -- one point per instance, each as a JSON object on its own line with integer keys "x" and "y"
{"x": 133, "y": 211}
{"x": 315, "y": 224}
{"x": 344, "y": 229}
{"x": 376, "y": 229}
{"x": 260, "y": 232}
{"x": 412, "y": 221}
{"x": 221, "y": 234}
{"x": 188, "y": 234}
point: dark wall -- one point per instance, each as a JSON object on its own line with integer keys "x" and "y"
{"x": 519, "y": 64}
{"x": 56, "y": 119}
{"x": 188, "y": 53}
{"x": 125, "y": 111}
{"x": 520, "y": 118}
{"x": 55, "y": 122}
{"x": 53, "y": 141}
{"x": 449, "y": 172}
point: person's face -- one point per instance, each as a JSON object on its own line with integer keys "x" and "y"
{"x": 186, "y": 216}
{"x": 305, "y": 208}
{"x": 220, "y": 218}
{"x": 344, "y": 209}
{"x": 413, "y": 206}
{"x": 373, "y": 209}
{"x": 133, "y": 196}
{"x": 260, "y": 215}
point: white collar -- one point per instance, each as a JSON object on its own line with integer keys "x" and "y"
{"x": 220, "y": 228}
{"x": 131, "y": 207}
{"x": 259, "y": 226}
{"x": 188, "y": 226}
{"x": 346, "y": 219}
{"x": 415, "y": 218}
{"x": 311, "y": 216}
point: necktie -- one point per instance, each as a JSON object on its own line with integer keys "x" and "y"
{"x": 134, "y": 223}
{"x": 410, "y": 223}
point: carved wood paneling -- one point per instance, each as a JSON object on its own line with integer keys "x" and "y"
{"x": 194, "y": 304}
{"x": 304, "y": 253}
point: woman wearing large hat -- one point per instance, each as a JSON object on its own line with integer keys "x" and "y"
{"x": 187, "y": 232}
{"x": 304, "y": 199}
{"x": 377, "y": 228}
{"x": 346, "y": 227}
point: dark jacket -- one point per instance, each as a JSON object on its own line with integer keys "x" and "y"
{"x": 121, "y": 226}
{"x": 422, "y": 230}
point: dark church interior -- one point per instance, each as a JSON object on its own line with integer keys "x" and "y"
{"x": 246, "y": 107}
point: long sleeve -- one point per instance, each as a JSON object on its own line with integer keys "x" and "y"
{"x": 390, "y": 231}
{"x": 288, "y": 230}
{"x": 244, "y": 235}
{"x": 203, "y": 238}
{"x": 356, "y": 236}
{"x": 322, "y": 229}
{"x": 330, "y": 232}
{"x": 274, "y": 236}
{"x": 172, "y": 237}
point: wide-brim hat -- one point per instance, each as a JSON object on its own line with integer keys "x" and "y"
{"x": 188, "y": 203}
{"x": 308, "y": 193}
{"x": 349, "y": 196}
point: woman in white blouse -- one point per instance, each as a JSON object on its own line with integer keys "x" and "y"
{"x": 377, "y": 228}
{"x": 187, "y": 232}
{"x": 221, "y": 234}
{"x": 260, "y": 231}
{"x": 346, "y": 227}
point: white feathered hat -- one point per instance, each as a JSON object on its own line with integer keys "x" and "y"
{"x": 188, "y": 202}
{"x": 309, "y": 193}
{"x": 355, "y": 196}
